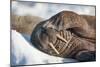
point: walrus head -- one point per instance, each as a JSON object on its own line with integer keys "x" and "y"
{"x": 54, "y": 37}
{"x": 69, "y": 46}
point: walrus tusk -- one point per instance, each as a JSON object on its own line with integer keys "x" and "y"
{"x": 61, "y": 38}
{"x": 53, "y": 48}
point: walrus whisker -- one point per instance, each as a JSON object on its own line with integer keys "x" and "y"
{"x": 61, "y": 38}
{"x": 52, "y": 46}
{"x": 69, "y": 41}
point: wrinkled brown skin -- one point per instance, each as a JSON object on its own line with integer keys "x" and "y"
{"x": 66, "y": 20}
{"x": 74, "y": 21}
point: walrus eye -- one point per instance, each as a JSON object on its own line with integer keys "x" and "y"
{"x": 43, "y": 30}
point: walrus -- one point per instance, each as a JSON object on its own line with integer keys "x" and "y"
{"x": 66, "y": 35}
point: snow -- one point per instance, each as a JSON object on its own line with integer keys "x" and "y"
{"x": 23, "y": 53}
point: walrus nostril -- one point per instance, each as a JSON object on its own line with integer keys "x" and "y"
{"x": 86, "y": 56}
